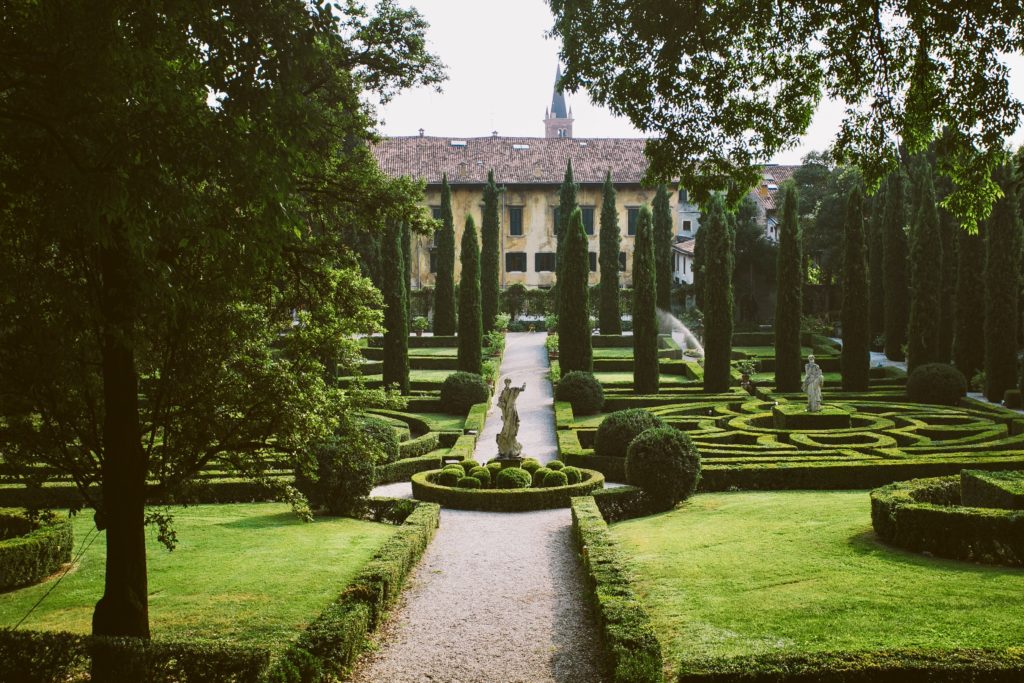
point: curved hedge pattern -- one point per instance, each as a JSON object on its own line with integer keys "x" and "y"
{"x": 503, "y": 500}
{"x": 30, "y": 553}
{"x": 925, "y": 515}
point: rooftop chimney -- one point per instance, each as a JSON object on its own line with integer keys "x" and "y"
{"x": 421, "y": 132}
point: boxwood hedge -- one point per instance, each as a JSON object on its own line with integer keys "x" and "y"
{"x": 503, "y": 500}
{"x": 30, "y": 551}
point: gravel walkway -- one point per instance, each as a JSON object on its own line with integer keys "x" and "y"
{"x": 497, "y": 597}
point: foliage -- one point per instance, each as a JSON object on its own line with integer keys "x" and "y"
{"x": 538, "y": 476}
{"x": 514, "y": 299}
{"x": 894, "y": 254}
{"x": 462, "y": 390}
{"x": 925, "y": 273}
{"x": 444, "y": 279}
{"x": 969, "y": 304}
{"x": 718, "y": 302}
{"x": 645, "y": 318}
{"x": 383, "y": 435}
{"x": 698, "y": 264}
{"x": 663, "y": 241}
{"x": 582, "y": 390}
{"x": 468, "y": 482}
{"x": 538, "y": 302}
{"x": 396, "y": 309}
{"x": 788, "y": 307}
{"x": 531, "y": 465}
{"x": 665, "y": 464}
{"x": 211, "y": 185}
{"x": 574, "y": 346}
{"x": 685, "y": 81}
{"x": 876, "y": 260}
{"x": 490, "y": 247}
{"x": 31, "y": 550}
{"x": 573, "y": 474}
{"x": 555, "y": 465}
{"x": 494, "y": 342}
{"x": 339, "y": 472}
{"x": 555, "y": 478}
{"x": 470, "y": 322}
{"x": 936, "y": 383}
{"x": 609, "y": 320}
{"x": 420, "y": 324}
{"x": 755, "y": 262}
{"x": 856, "y": 353}
{"x": 421, "y": 301}
{"x": 512, "y": 478}
{"x": 567, "y": 204}
{"x": 618, "y": 430}
{"x": 1002, "y": 279}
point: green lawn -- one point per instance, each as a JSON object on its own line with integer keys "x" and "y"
{"x": 440, "y": 422}
{"x": 627, "y": 378}
{"x": 613, "y": 353}
{"x": 746, "y": 573}
{"x": 439, "y": 352}
{"x": 768, "y": 351}
{"x": 249, "y": 573}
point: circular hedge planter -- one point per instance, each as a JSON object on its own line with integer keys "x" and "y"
{"x": 925, "y": 515}
{"x": 503, "y": 500}
{"x": 30, "y": 552}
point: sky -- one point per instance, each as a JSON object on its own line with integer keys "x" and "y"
{"x": 501, "y": 72}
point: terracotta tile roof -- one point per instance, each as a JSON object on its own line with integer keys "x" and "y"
{"x": 684, "y": 247}
{"x": 772, "y": 175}
{"x": 514, "y": 160}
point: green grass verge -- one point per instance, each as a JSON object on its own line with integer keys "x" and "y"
{"x": 245, "y": 574}
{"x": 740, "y": 574}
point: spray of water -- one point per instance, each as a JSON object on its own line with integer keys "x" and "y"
{"x": 680, "y": 332}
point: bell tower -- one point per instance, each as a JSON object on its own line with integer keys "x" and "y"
{"x": 558, "y": 120}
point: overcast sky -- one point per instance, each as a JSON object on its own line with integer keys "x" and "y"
{"x": 501, "y": 71}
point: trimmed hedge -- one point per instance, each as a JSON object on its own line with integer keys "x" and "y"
{"x": 665, "y": 464}
{"x": 925, "y": 515}
{"x": 632, "y": 650}
{"x": 618, "y": 430}
{"x": 880, "y": 666}
{"x": 460, "y": 391}
{"x": 30, "y": 552}
{"x": 420, "y": 446}
{"x": 936, "y": 383}
{"x": 582, "y": 391}
{"x": 476, "y": 417}
{"x": 622, "y": 503}
{"x": 1003, "y": 490}
{"x": 431, "y": 342}
{"x": 503, "y": 500}
{"x": 401, "y": 470}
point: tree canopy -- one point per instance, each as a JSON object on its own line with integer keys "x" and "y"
{"x": 721, "y": 87}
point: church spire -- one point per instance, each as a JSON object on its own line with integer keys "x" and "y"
{"x": 558, "y": 99}
{"x": 557, "y": 119}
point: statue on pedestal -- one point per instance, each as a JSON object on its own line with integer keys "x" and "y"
{"x": 813, "y": 382}
{"x": 508, "y": 447}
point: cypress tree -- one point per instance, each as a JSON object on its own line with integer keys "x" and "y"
{"x": 471, "y": 331}
{"x": 663, "y": 248}
{"x": 489, "y": 255}
{"x": 789, "y": 303}
{"x": 1001, "y": 283}
{"x": 925, "y": 273}
{"x": 947, "y": 231}
{"x": 396, "y": 310}
{"x": 444, "y": 281}
{"x": 566, "y": 205}
{"x": 969, "y": 303}
{"x": 894, "y": 253}
{"x": 719, "y": 257}
{"x": 856, "y": 316}
{"x": 610, "y": 244}
{"x": 875, "y": 261}
{"x": 574, "y": 350}
{"x": 698, "y": 268}
{"x": 645, "y": 319}
{"x": 407, "y": 266}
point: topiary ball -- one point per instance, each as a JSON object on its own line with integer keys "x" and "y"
{"x": 582, "y": 390}
{"x": 462, "y": 390}
{"x": 469, "y": 483}
{"x": 555, "y": 478}
{"x": 619, "y": 429}
{"x": 555, "y": 465}
{"x": 483, "y": 474}
{"x": 383, "y": 434}
{"x": 936, "y": 383}
{"x": 531, "y": 465}
{"x": 539, "y": 474}
{"x": 573, "y": 474}
{"x": 665, "y": 464}
{"x": 512, "y": 478}
{"x": 449, "y": 477}
{"x": 1012, "y": 399}
{"x": 468, "y": 465}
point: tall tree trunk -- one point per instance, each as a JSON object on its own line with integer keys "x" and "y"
{"x": 123, "y": 610}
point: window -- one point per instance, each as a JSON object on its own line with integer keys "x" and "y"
{"x": 684, "y": 265}
{"x": 675, "y": 258}
{"x": 687, "y": 226}
{"x": 588, "y": 219}
{"x": 544, "y": 262}
{"x": 684, "y": 196}
{"x": 433, "y": 261}
{"x": 632, "y": 213}
{"x": 622, "y": 261}
{"x": 515, "y": 221}
{"x": 554, "y": 220}
{"x": 435, "y": 212}
{"x": 593, "y": 261}
{"x": 515, "y": 262}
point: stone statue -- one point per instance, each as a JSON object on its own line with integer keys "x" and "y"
{"x": 508, "y": 447}
{"x": 813, "y": 381}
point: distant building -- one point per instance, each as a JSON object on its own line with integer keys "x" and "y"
{"x": 682, "y": 261}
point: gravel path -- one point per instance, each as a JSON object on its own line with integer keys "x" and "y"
{"x": 497, "y": 597}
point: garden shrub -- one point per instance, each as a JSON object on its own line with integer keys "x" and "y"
{"x": 555, "y": 478}
{"x": 572, "y": 474}
{"x": 449, "y": 477}
{"x": 483, "y": 474}
{"x": 469, "y": 465}
{"x": 461, "y": 390}
{"x": 513, "y": 478}
{"x": 619, "y": 429}
{"x": 539, "y": 474}
{"x": 383, "y": 434}
{"x": 665, "y": 464}
{"x": 337, "y": 472}
{"x": 1012, "y": 399}
{"x": 936, "y": 383}
{"x": 30, "y": 551}
{"x": 582, "y": 390}
{"x": 555, "y": 465}
{"x": 499, "y": 499}
{"x": 531, "y": 465}
{"x": 494, "y": 468}
{"x": 468, "y": 483}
